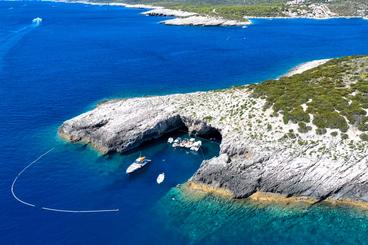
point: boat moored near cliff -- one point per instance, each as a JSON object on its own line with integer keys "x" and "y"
{"x": 138, "y": 164}
{"x": 190, "y": 144}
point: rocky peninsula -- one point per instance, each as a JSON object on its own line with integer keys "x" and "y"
{"x": 180, "y": 17}
{"x": 303, "y": 136}
{"x": 184, "y": 18}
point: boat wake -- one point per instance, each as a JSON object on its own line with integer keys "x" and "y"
{"x": 11, "y": 40}
{"x": 12, "y": 189}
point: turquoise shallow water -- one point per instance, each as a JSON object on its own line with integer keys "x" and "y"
{"x": 82, "y": 54}
{"x": 212, "y": 220}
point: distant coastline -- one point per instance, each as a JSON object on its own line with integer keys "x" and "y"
{"x": 180, "y": 18}
{"x": 192, "y": 18}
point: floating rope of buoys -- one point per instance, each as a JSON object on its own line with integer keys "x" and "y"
{"x": 20, "y": 173}
{"x": 80, "y": 211}
{"x": 12, "y": 189}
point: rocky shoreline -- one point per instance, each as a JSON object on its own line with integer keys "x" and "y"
{"x": 195, "y": 189}
{"x": 180, "y": 18}
{"x": 259, "y": 151}
{"x": 184, "y": 18}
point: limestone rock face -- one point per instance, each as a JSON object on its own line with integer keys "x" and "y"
{"x": 287, "y": 171}
{"x": 121, "y": 125}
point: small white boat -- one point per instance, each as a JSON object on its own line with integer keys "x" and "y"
{"x": 190, "y": 144}
{"x": 160, "y": 178}
{"x": 139, "y": 163}
{"x": 170, "y": 140}
{"x": 37, "y": 21}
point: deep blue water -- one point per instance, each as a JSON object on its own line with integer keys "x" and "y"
{"x": 81, "y": 54}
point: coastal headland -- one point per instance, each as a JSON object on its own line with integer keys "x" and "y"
{"x": 302, "y": 136}
{"x": 179, "y": 17}
{"x": 211, "y": 13}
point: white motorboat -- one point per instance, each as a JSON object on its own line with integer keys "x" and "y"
{"x": 170, "y": 140}
{"x": 139, "y": 163}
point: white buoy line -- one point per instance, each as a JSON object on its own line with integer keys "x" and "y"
{"x": 12, "y": 189}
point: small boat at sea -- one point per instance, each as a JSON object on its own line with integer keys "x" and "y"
{"x": 138, "y": 164}
{"x": 160, "y": 178}
{"x": 37, "y": 21}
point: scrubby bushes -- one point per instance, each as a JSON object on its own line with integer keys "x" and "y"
{"x": 321, "y": 131}
{"x": 344, "y": 136}
{"x": 363, "y": 125}
{"x": 303, "y": 128}
{"x": 330, "y": 120}
{"x": 235, "y": 12}
{"x": 364, "y": 137}
{"x": 332, "y": 93}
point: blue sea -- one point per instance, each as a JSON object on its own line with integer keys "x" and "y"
{"x": 82, "y": 54}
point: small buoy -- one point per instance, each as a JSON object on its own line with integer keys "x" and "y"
{"x": 160, "y": 178}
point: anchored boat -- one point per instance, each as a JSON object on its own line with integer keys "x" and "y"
{"x": 160, "y": 178}
{"x": 191, "y": 143}
{"x": 139, "y": 163}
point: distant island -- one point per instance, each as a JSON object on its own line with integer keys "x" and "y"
{"x": 302, "y": 137}
{"x": 238, "y": 12}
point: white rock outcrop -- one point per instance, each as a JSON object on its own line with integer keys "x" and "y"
{"x": 204, "y": 21}
{"x": 168, "y": 12}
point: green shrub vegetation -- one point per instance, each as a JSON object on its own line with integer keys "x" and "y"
{"x": 236, "y": 9}
{"x": 364, "y": 137}
{"x": 321, "y": 131}
{"x": 334, "y": 133}
{"x": 303, "y": 128}
{"x": 234, "y": 12}
{"x": 335, "y": 93}
{"x": 208, "y": 118}
{"x": 344, "y": 136}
